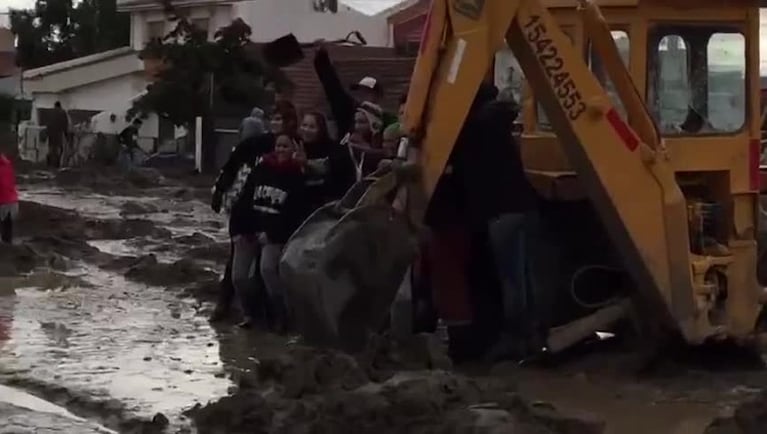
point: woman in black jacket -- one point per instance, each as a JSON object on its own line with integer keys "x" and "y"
{"x": 267, "y": 212}
{"x": 232, "y": 178}
{"x": 329, "y": 170}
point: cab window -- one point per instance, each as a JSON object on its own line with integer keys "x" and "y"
{"x": 697, "y": 79}
{"x": 621, "y": 39}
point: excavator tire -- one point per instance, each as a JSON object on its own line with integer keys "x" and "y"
{"x": 342, "y": 268}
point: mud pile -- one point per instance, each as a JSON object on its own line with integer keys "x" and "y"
{"x": 320, "y": 391}
{"x": 148, "y": 270}
{"x": 40, "y": 221}
{"x": 16, "y": 260}
{"x": 748, "y": 418}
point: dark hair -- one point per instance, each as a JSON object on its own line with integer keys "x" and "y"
{"x": 403, "y": 98}
{"x": 323, "y": 135}
{"x": 57, "y": 104}
{"x": 288, "y": 135}
{"x": 287, "y": 110}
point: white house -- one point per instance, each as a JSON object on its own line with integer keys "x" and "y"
{"x": 108, "y": 82}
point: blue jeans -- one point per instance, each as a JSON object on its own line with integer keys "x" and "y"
{"x": 510, "y": 236}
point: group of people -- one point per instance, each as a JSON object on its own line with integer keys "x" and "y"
{"x": 473, "y": 271}
{"x": 284, "y": 168}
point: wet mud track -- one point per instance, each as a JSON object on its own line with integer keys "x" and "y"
{"x": 103, "y": 308}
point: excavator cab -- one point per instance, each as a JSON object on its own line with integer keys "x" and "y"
{"x": 695, "y": 66}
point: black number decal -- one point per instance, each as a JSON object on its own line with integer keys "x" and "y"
{"x": 553, "y": 66}
{"x": 559, "y": 79}
{"x": 533, "y": 20}
{"x": 576, "y": 113}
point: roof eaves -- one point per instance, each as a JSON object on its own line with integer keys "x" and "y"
{"x": 404, "y": 4}
{"x": 352, "y": 5}
{"x": 76, "y": 62}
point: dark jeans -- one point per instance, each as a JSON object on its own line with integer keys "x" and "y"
{"x": 6, "y": 230}
{"x": 525, "y": 308}
{"x": 226, "y": 289}
{"x": 55, "y": 149}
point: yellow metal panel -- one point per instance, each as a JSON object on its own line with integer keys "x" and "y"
{"x": 632, "y": 185}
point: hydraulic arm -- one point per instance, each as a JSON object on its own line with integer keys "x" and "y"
{"x": 624, "y": 170}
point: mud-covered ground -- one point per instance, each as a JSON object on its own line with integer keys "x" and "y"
{"x": 103, "y": 305}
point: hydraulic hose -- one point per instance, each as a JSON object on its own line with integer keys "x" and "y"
{"x": 586, "y": 304}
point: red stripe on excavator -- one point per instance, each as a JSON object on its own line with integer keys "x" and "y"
{"x": 624, "y": 132}
{"x": 754, "y": 158}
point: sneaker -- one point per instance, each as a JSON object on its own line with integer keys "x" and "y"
{"x": 219, "y": 314}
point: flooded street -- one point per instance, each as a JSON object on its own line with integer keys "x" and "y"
{"x": 103, "y": 328}
{"x": 93, "y": 339}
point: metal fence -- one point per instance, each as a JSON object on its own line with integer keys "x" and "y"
{"x": 82, "y": 147}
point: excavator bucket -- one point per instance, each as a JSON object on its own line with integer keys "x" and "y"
{"x": 342, "y": 268}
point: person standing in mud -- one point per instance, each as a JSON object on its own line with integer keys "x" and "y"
{"x": 484, "y": 179}
{"x": 269, "y": 209}
{"x": 57, "y": 129}
{"x": 231, "y": 180}
{"x": 9, "y": 199}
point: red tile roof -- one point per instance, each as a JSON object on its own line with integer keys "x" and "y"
{"x": 7, "y": 64}
{"x": 352, "y": 63}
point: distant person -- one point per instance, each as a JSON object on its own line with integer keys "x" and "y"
{"x": 9, "y": 199}
{"x": 57, "y": 129}
{"x": 128, "y": 138}
{"x": 253, "y": 125}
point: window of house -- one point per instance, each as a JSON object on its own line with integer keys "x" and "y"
{"x": 622, "y": 42}
{"x": 155, "y": 30}
{"x": 697, "y": 79}
{"x": 201, "y": 24}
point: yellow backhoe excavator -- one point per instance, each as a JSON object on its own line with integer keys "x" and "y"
{"x": 641, "y": 119}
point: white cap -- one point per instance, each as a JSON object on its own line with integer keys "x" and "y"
{"x": 367, "y": 82}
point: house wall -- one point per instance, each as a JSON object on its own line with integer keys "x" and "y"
{"x": 271, "y": 19}
{"x": 143, "y": 22}
{"x": 81, "y": 72}
{"x": 268, "y": 19}
{"x": 110, "y": 96}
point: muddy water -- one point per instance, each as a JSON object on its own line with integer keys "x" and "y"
{"x": 626, "y": 409}
{"x": 116, "y": 340}
{"x": 147, "y": 351}
{"x": 102, "y": 338}
{"x": 18, "y": 409}
{"x": 181, "y": 217}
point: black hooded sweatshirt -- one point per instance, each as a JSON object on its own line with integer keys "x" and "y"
{"x": 488, "y": 177}
{"x": 272, "y": 200}
{"x": 342, "y": 103}
{"x": 329, "y": 173}
{"x": 246, "y": 152}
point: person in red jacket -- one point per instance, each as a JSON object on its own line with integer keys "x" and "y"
{"x": 9, "y": 199}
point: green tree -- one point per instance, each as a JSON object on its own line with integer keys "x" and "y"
{"x": 196, "y": 72}
{"x": 57, "y": 30}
